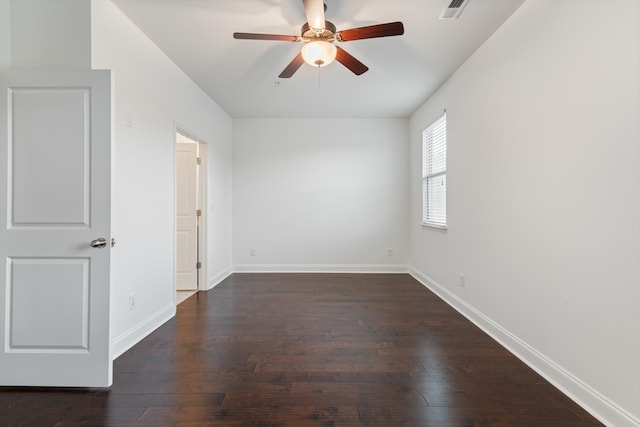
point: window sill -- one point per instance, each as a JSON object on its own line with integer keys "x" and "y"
{"x": 434, "y": 226}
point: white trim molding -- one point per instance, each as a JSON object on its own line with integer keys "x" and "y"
{"x": 321, "y": 268}
{"x": 219, "y": 278}
{"x": 136, "y": 334}
{"x": 584, "y": 395}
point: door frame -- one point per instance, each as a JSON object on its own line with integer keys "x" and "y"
{"x": 202, "y": 205}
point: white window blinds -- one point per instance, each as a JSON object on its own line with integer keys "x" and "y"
{"x": 434, "y": 174}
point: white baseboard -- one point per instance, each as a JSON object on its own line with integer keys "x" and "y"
{"x": 218, "y": 278}
{"x": 591, "y": 400}
{"x": 134, "y": 335}
{"x": 321, "y": 268}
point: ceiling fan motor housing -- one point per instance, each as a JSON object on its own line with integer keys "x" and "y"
{"x": 327, "y": 34}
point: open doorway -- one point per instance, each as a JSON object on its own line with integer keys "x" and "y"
{"x": 190, "y": 224}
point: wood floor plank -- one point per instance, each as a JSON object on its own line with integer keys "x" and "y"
{"x": 309, "y": 350}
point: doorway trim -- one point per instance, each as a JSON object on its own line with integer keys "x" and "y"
{"x": 202, "y": 205}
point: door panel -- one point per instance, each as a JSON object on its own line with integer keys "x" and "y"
{"x": 50, "y": 304}
{"x": 49, "y": 195}
{"x": 186, "y": 220}
{"x": 55, "y": 146}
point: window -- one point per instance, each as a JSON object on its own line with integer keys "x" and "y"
{"x": 434, "y": 174}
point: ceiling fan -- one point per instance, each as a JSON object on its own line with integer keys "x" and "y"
{"x": 319, "y": 36}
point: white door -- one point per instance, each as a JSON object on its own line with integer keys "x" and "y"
{"x": 55, "y": 184}
{"x": 186, "y": 218}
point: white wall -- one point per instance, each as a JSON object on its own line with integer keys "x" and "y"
{"x": 157, "y": 97}
{"x": 50, "y": 34}
{"x": 544, "y": 196}
{"x": 320, "y": 194}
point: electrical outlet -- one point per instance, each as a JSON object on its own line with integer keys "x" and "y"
{"x": 132, "y": 301}
{"x": 389, "y": 252}
{"x": 252, "y": 252}
{"x": 462, "y": 280}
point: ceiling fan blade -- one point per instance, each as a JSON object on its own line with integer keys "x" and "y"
{"x": 314, "y": 9}
{"x": 256, "y": 36}
{"x": 349, "y": 61}
{"x": 370, "y": 32}
{"x": 292, "y": 67}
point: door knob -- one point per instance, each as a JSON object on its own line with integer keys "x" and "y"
{"x": 100, "y": 242}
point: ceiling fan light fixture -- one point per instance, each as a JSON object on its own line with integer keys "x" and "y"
{"x": 319, "y": 53}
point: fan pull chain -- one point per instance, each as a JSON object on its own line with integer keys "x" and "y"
{"x": 318, "y": 77}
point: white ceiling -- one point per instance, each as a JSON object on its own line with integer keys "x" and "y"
{"x": 242, "y": 75}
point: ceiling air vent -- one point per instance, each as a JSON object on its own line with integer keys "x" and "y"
{"x": 454, "y": 10}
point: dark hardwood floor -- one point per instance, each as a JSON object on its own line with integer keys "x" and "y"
{"x": 309, "y": 350}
